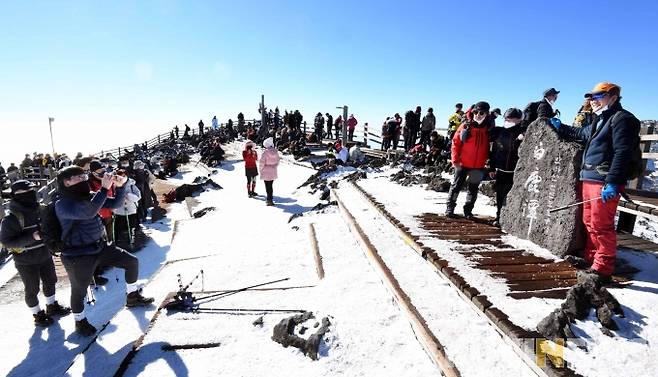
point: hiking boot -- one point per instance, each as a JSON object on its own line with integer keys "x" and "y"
{"x": 450, "y": 212}
{"x": 496, "y": 223}
{"x": 250, "y": 194}
{"x": 269, "y": 203}
{"x": 56, "y": 309}
{"x": 84, "y": 328}
{"x": 468, "y": 215}
{"x": 42, "y": 319}
{"x": 254, "y": 193}
{"x": 99, "y": 280}
{"x": 578, "y": 262}
{"x": 136, "y": 299}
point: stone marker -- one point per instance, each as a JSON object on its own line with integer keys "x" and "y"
{"x": 547, "y": 176}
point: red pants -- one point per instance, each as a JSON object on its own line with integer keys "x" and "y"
{"x": 599, "y": 220}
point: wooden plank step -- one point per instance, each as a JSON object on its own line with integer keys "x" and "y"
{"x": 529, "y": 276}
{"x": 520, "y": 259}
{"x": 560, "y": 266}
{"x": 466, "y": 236}
{"x": 559, "y": 294}
{"x": 541, "y": 285}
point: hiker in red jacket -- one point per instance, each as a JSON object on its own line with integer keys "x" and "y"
{"x": 250, "y": 157}
{"x": 470, "y": 152}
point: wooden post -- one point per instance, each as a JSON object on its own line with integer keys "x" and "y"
{"x": 365, "y": 134}
{"x": 320, "y": 141}
{"x": 316, "y": 252}
{"x": 626, "y": 221}
{"x": 428, "y": 341}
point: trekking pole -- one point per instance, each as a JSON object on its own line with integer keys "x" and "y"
{"x": 249, "y": 310}
{"x": 572, "y": 205}
{"x": 227, "y": 293}
{"x": 202, "y": 281}
{"x": 91, "y": 299}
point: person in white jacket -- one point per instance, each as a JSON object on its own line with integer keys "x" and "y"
{"x": 125, "y": 216}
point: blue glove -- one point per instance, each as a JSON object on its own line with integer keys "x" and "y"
{"x": 556, "y": 123}
{"x": 609, "y": 191}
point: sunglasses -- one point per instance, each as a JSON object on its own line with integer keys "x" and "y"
{"x": 79, "y": 178}
{"x": 480, "y": 112}
{"x": 597, "y": 96}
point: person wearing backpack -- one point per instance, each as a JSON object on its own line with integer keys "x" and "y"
{"x": 470, "y": 152}
{"x": 611, "y": 157}
{"x": 20, "y": 233}
{"x": 542, "y": 108}
{"x": 84, "y": 246}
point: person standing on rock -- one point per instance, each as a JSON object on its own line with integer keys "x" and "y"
{"x": 504, "y": 156}
{"x": 201, "y": 125}
{"x": 610, "y": 141}
{"x": 20, "y": 233}
{"x": 427, "y": 126}
{"x": 545, "y": 108}
{"x": 330, "y": 124}
{"x": 351, "y": 126}
{"x": 268, "y": 164}
{"x": 318, "y": 123}
{"x": 470, "y": 151}
{"x": 250, "y": 156}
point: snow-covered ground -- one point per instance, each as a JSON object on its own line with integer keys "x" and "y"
{"x": 243, "y": 242}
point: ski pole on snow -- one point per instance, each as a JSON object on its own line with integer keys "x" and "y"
{"x": 227, "y": 293}
{"x": 572, "y": 205}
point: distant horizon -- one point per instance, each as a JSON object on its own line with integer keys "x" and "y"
{"x": 118, "y": 72}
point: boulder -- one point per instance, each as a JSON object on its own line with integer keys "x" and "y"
{"x": 546, "y": 176}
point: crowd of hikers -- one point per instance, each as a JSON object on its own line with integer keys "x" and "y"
{"x": 99, "y": 198}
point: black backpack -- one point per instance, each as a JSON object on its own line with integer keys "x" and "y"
{"x": 635, "y": 165}
{"x": 51, "y": 229}
{"x": 530, "y": 112}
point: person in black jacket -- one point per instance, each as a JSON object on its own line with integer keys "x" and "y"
{"x": 330, "y": 124}
{"x": 20, "y": 233}
{"x": 504, "y": 155}
{"x": 545, "y": 108}
{"x": 610, "y": 142}
{"x": 84, "y": 235}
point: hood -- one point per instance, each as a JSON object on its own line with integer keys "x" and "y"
{"x": 268, "y": 143}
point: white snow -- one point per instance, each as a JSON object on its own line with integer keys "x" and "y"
{"x": 243, "y": 243}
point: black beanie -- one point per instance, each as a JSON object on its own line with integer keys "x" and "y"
{"x": 482, "y": 106}
{"x": 66, "y": 173}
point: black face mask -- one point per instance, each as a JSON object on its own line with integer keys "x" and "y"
{"x": 27, "y": 199}
{"x": 79, "y": 190}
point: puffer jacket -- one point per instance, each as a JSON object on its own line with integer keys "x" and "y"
{"x": 609, "y": 142}
{"x": 82, "y": 227}
{"x": 268, "y": 164}
{"x": 505, "y": 148}
{"x": 474, "y": 151}
{"x": 351, "y": 123}
{"x": 131, "y": 198}
{"x": 429, "y": 122}
{"x": 15, "y": 235}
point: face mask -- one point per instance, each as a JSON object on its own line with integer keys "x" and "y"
{"x": 509, "y": 124}
{"x": 479, "y": 118}
{"x": 27, "y": 199}
{"x": 601, "y": 110}
{"x": 79, "y": 190}
{"x": 552, "y": 103}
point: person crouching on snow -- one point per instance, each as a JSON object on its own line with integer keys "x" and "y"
{"x": 250, "y": 157}
{"x": 268, "y": 165}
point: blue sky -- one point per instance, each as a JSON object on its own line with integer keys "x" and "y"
{"x": 112, "y": 73}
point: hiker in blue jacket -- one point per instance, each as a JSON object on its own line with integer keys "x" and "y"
{"x": 85, "y": 246}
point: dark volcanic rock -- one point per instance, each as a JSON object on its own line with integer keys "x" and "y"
{"x": 546, "y": 177}
{"x": 284, "y": 334}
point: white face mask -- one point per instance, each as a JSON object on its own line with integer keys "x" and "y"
{"x": 508, "y": 124}
{"x": 601, "y": 110}
{"x": 479, "y": 118}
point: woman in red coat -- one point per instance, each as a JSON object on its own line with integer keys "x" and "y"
{"x": 470, "y": 152}
{"x": 250, "y": 157}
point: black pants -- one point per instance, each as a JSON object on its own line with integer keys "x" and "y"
{"x": 269, "y": 189}
{"x": 474, "y": 178}
{"x": 503, "y": 185}
{"x": 410, "y": 140}
{"x": 81, "y": 268}
{"x": 350, "y": 135}
{"x": 425, "y": 137}
{"x": 32, "y": 274}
